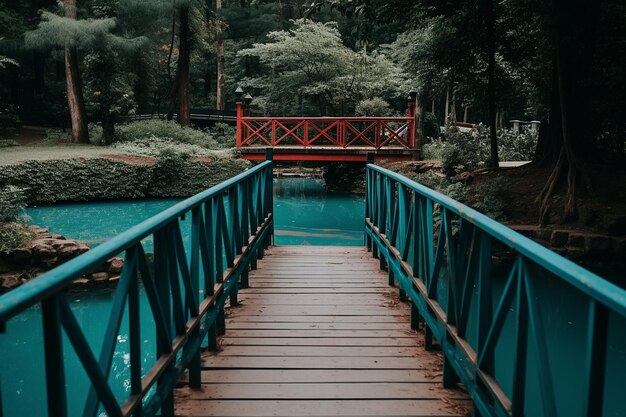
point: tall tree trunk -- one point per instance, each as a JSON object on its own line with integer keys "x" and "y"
{"x": 221, "y": 78}
{"x": 182, "y": 71}
{"x": 490, "y": 23}
{"x": 173, "y": 85}
{"x": 453, "y": 109}
{"x": 574, "y": 35}
{"x": 108, "y": 130}
{"x": 180, "y": 96}
{"x": 445, "y": 112}
{"x": 419, "y": 124}
{"x": 76, "y": 102}
{"x": 208, "y": 77}
{"x": 465, "y": 111}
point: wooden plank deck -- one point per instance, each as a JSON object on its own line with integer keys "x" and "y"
{"x": 320, "y": 333}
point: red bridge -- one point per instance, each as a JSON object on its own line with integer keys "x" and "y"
{"x": 345, "y": 139}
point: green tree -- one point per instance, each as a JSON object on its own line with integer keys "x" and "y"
{"x": 109, "y": 87}
{"x": 311, "y": 70}
{"x": 76, "y": 102}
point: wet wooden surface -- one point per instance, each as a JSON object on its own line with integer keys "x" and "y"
{"x": 320, "y": 333}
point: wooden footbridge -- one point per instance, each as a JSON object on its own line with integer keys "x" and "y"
{"x": 319, "y": 332}
{"x": 245, "y": 328}
{"x": 339, "y": 139}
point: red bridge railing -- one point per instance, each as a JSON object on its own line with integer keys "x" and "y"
{"x": 334, "y": 132}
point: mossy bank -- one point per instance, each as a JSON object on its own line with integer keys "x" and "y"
{"x": 69, "y": 180}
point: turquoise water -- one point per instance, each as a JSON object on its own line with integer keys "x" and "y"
{"x": 308, "y": 215}
{"x": 305, "y": 214}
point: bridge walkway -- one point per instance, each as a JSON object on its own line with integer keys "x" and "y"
{"x": 320, "y": 333}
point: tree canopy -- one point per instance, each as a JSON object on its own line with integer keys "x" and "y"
{"x": 559, "y": 62}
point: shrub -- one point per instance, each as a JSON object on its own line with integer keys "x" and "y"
{"x": 55, "y": 136}
{"x": 431, "y": 127}
{"x": 470, "y": 150}
{"x": 175, "y": 175}
{"x": 155, "y": 146}
{"x": 488, "y": 197}
{"x": 373, "y": 107}
{"x": 463, "y": 152}
{"x": 167, "y": 130}
{"x": 95, "y": 134}
{"x": 13, "y": 235}
{"x": 6, "y": 143}
{"x": 434, "y": 150}
{"x": 224, "y": 134}
{"x": 12, "y": 200}
{"x": 516, "y": 147}
{"x": 52, "y": 181}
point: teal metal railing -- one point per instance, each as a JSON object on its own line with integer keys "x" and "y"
{"x": 186, "y": 286}
{"x": 526, "y": 331}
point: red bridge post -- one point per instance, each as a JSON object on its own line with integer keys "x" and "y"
{"x": 239, "y": 102}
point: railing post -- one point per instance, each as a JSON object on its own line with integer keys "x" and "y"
{"x": 269, "y": 189}
{"x": 273, "y": 139}
{"x": 239, "y": 123}
{"x": 53, "y": 348}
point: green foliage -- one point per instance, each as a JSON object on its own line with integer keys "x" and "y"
{"x": 95, "y": 134}
{"x": 76, "y": 180}
{"x": 433, "y": 150}
{"x": 108, "y": 89}
{"x": 466, "y": 151}
{"x": 515, "y": 146}
{"x": 60, "y": 31}
{"x": 309, "y": 69}
{"x": 176, "y": 175}
{"x": 487, "y": 196}
{"x": 58, "y": 136}
{"x": 13, "y": 235}
{"x": 431, "y": 127}
{"x": 53, "y": 181}
{"x": 12, "y": 200}
{"x": 146, "y": 130}
{"x": 373, "y": 107}
{"x": 429, "y": 54}
{"x": 225, "y": 135}
{"x": 155, "y": 147}
{"x": 463, "y": 152}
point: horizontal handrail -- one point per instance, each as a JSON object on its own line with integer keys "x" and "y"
{"x": 186, "y": 285}
{"x": 330, "y": 118}
{"x": 336, "y": 132}
{"x": 449, "y": 259}
{"x": 596, "y": 286}
{"x": 34, "y": 291}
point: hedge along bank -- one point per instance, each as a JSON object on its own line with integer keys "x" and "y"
{"x": 57, "y": 181}
{"x": 69, "y": 180}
